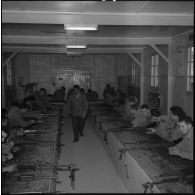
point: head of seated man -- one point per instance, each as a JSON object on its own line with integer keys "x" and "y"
{"x": 43, "y": 91}
{"x": 156, "y": 115}
{"x": 176, "y": 114}
{"x": 132, "y": 100}
{"x": 24, "y": 108}
{"x": 185, "y": 125}
{"x": 145, "y": 110}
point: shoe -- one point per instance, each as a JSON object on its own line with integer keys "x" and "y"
{"x": 81, "y": 134}
{"x": 75, "y": 140}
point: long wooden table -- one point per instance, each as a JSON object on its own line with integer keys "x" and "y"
{"x": 44, "y": 149}
{"x": 143, "y": 168}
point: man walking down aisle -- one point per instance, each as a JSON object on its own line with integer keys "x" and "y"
{"x": 77, "y": 106}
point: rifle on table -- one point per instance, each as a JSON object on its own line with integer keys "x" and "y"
{"x": 150, "y": 185}
{"x": 56, "y": 167}
{"x": 32, "y": 142}
{"x": 34, "y": 131}
{"x": 142, "y": 147}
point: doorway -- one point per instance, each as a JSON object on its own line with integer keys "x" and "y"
{"x": 68, "y": 78}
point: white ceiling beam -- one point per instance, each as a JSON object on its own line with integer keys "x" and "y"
{"x": 135, "y": 59}
{"x": 63, "y": 50}
{"x": 15, "y": 39}
{"x": 160, "y": 53}
{"x": 100, "y": 18}
{"x": 9, "y": 58}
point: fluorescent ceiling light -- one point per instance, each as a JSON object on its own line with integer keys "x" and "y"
{"x": 76, "y": 46}
{"x": 80, "y": 27}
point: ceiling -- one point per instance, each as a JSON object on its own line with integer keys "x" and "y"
{"x": 123, "y": 26}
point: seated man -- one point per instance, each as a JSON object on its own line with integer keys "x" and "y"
{"x": 155, "y": 120}
{"x": 184, "y": 149}
{"x": 59, "y": 95}
{"x": 16, "y": 119}
{"x": 129, "y": 112}
{"x": 92, "y": 95}
{"x": 24, "y": 108}
{"x": 168, "y": 127}
{"x": 41, "y": 100}
{"x": 6, "y": 153}
{"x": 143, "y": 117}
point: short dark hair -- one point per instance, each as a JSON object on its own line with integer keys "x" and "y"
{"x": 178, "y": 111}
{"x": 76, "y": 87}
{"x": 89, "y": 91}
{"x": 145, "y": 106}
{"x": 187, "y": 119}
{"x": 63, "y": 88}
{"x": 156, "y": 112}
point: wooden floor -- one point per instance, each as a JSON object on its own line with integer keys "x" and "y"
{"x": 97, "y": 173}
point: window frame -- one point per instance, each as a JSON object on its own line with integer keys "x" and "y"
{"x": 154, "y": 72}
{"x": 190, "y": 69}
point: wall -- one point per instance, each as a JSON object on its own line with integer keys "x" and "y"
{"x": 42, "y": 67}
{"x": 180, "y": 45}
{"x": 163, "y": 71}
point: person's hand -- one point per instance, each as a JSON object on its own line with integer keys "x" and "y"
{"x": 174, "y": 151}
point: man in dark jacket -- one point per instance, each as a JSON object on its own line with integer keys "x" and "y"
{"x": 78, "y": 106}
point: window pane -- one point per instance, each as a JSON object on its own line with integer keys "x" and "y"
{"x": 188, "y": 68}
{"x": 188, "y": 82}
{"x": 152, "y": 81}
{"x": 189, "y": 52}
{"x": 192, "y": 69}
{"x": 192, "y": 54}
{"x": 152, "y": 70}
{"x": 156, "y": 71}
{"x": 156, "y": 81}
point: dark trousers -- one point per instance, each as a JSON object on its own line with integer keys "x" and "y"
{"x": 78, "y": 124}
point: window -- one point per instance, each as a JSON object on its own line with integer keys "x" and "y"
{"x": 133, "y": 74}
{"x": 155, "y": 71}
{"x": 9, "y": 73}
{"x": 190, "y": 69}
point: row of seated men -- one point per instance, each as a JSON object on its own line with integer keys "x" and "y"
{"x": 177, "y": 128}
{"x": 15, "y": 122}
{"x": 20, "y": 116}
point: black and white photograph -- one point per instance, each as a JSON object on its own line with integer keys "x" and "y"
{"x": 97, "y": 97}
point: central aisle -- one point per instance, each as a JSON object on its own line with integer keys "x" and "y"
{"x": 97, "y": 173}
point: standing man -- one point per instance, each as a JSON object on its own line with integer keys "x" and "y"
{"x": 78, "y": 106}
